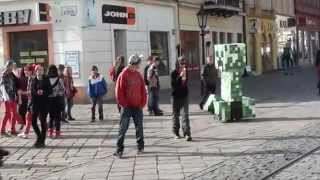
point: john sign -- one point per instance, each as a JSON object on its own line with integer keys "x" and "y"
{"x": 118, "y": 15}
{"x": 11, "y": 18}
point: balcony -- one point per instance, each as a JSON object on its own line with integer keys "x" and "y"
{"x": 225, "y": 8}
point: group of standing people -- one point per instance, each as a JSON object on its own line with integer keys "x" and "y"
{"x": 30, "y": 94}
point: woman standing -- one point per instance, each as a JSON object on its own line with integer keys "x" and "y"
{"x": 118, "y": 68}
{"x": 8, "y": 88}
{"x": 70, "y": 92}
{"x": 40, "y": 91}
{"x": 25, "y": 98}
{"x": 56, "y": 101}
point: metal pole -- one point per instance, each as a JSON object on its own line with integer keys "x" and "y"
{"x": 203, "y": 47}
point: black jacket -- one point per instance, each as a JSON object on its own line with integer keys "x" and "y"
{"x": 179, "y": 90}
{"x": 145, "y": 75}
{"x": 40, "y": 102}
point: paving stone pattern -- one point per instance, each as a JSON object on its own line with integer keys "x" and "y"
{"x": 286, "y": 126}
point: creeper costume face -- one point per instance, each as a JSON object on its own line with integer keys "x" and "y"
{"x": 230, "y": 61}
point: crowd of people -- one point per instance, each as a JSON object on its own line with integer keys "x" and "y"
{"x": 26, "y": 91}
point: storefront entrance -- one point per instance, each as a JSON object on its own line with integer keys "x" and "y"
{"x": 29, "y": 47}
{"x": 190, "y": 49}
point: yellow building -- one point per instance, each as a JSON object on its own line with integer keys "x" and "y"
{"x": 261, "y": 36}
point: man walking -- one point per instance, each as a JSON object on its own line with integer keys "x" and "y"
{"x": 154, "y": 87}
{"x": 146, "y": 82}
{"x": 208, "y": 79}
{"x": 131, "y": 96}
{"x": 180, "y": 92}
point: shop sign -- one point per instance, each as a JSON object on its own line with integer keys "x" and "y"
{"x": 72, "y": 59}
{"x": 69, "y": 11}
{"x": 11, "y": 18}
{"x": 118, "y": 15}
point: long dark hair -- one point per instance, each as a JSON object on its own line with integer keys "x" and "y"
{"x": 120, "y": 62}
{"x": 53, "y": 71}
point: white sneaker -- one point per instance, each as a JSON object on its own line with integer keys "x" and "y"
{"x": 23, "y": 135}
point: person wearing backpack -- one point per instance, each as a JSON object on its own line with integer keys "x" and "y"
{"x": 97, "y": 89}
{"x": 116, "y": 71}
{"x": 154, "y": 88}
{"x": 56, "y": 101}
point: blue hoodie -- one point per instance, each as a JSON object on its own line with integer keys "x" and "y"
{"x": 97, "y": 87}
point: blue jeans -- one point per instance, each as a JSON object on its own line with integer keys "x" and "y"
{"x": 137, "y": 116}
{"x": 153, "y": 100}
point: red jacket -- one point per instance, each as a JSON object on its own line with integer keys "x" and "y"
{"x": 130, "y": 90}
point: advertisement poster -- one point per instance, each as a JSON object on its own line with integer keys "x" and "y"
{"x": 72, "y": 59}
{"x": 118, "y": 15}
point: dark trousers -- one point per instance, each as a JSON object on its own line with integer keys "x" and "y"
{"x": 69, "y": 105}
{"x": 97, "y": 100}
{"x": 207, "y": 91}
{"x": 178, "y": 105}
{"x": 56, "y": 109}
{"x": 137, "y": 116}
{"x": 23, "y": 108}
{"x": 153, "y": 100}
{"x": 42, "y": 115}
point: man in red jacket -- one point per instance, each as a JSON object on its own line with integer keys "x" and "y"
{"x": 131, "y": 96}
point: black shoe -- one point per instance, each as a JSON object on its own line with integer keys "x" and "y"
{"x": 39, "y": 144}
{"x": 65, "y": 121}
{"x": 3, "y": 152}
{"x": 71, "y": 119}
{"x": 93, "y": 120}
{"x": 140, "y": 151}
{"x": 118, "y": 154}
{"x": 158, "y": 113}
{"x": 188, "y": 138}
{"x": 201, "y": 106}
{"x": 101, "y": 118}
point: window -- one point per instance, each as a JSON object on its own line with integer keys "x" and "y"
{"x": 239, "y": 38}
{"x": 221, "y": 38}
{"x": 229, "y": 37}
{"x": 159, "y": 47}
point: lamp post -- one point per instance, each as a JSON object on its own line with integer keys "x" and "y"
{"x": 202, "y": 20}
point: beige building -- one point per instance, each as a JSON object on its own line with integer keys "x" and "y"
{"x": 261, "y": 36}
{"x": 219, "y": 30}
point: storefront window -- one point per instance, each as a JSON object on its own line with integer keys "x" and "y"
{"x": 29, "y": 47}
{"x": 229, "y": 37}
{"x": 160, "y": 48}
{"x": 239, "y": 38}
{"x": 221, "y": 38}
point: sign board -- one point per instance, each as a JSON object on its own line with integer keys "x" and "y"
{"x": 12, "y": 18}
{"x": 69, "y": 11}
{"x": 72, "y": 59}
{"x": 118, "y": 15}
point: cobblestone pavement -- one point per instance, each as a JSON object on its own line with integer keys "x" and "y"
{"x": 286, "y": 126}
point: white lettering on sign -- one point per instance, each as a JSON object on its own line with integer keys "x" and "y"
{"x": 116, "y": 14}
{"x": 15, "y": 17}
{"x": 10, "y": 18}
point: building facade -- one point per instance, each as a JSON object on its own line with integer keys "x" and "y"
{"x": 82, "y": 33}
{"x": 219, "y": 30}
{"x": 308, "y": 29}
{"x": 261, "y": 36}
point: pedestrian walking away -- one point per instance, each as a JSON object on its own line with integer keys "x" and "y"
{"x": 97, "y": 89}
{"x": 61, "y": 69}
{"x": 56, "y": 102}
{"x": 154, "y": 88}
{"x": 208, "y": 81}
{"x": 70, "y": 92}
{"x": 9, "y": 91}
{"x": 40, "y": 91}
{"x": 146, "y": 82}
{"x": 116, "y": 71}
{"x": 25, "y": 99}
{"x": 180, "y": 92}
{"x": 131, "y": 82}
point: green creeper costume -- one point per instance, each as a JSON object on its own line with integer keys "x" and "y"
{"x": 232, "y": 105}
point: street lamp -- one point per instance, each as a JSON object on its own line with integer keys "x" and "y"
{"x": 202, "y": 20}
